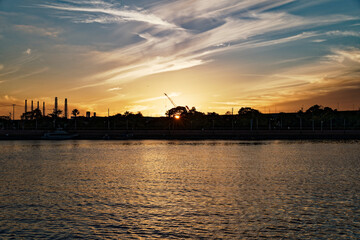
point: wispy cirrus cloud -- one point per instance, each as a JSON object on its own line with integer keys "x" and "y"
{"x": 318, "y": 40}
{"x": 331, "y": 73}
{"x": 158, "y": 98}
{"x": 191, "y": 32}
{"x": 9, "y": 100}
{"x": 48, "y": 32}
{"x": 31, "y": 73}
{"x": 15, "y": 67}
{"x": 110, "y": 14}
{"x": 183, "y": 34}
{"x": 114, "y": 89}
{"x": 136, "y": 108}
{"x": 344, "y": 33}
{"x": 342, "y": 55}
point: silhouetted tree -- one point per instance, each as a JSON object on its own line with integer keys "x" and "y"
{"x": 35, "y": 114}
{"x": 75, "y": 112}
{"x": 127, "y": 113}
{"x": 55, "y": 114}
{"x": 320, "y": 112}
{"x": 249, "y": 112}
{"x": 213, "y": 114}
{"x": 179, "y": 110}
{"x": 315, "y": 110}
{"x": 248, "y": 116}
{"x": 328, "y": 113}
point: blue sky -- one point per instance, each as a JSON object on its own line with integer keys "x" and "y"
{"x": 276, "y": 55}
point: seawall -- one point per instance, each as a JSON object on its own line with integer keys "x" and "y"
{"x": 188, "y": 134}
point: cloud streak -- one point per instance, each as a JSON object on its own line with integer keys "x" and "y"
{"x": 106, "y": 47}
{"x": 48, "y": 32}
{"x": 116, "y": 15}
{"x": 185, "y": 34}
{"x": 332, "y": 73}
{"x": 158, "y": 98}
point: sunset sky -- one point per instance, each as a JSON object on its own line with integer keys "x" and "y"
{"x": 216, "y": 55}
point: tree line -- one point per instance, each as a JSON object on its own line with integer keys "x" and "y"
{"x": 316, "y": 117}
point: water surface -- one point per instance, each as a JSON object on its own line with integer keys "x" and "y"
{"x": 180, "y": 189}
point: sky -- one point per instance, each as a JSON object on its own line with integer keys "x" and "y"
{"x": 275, "y": 56}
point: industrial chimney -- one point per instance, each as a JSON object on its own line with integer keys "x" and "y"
{"x": 32, "y": 105}
{"x": 44, "y": 109}
{"x": 56, "y": 104}
{"x": 38, "y": 105}
{"x": 25, "y": 106}
{"x": 66, "y": 109}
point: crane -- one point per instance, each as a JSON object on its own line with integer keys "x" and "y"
{"x": 187, "y": 108}
{"x": 170, "y": 100}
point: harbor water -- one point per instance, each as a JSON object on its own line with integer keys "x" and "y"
{"x": 180, "y": 189}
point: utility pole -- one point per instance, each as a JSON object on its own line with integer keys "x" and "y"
{"x": 232, "y": 118}
{"x": 312, "y": 121}
{"x": 331, "y": 128}
{"x": 108, "y": 118}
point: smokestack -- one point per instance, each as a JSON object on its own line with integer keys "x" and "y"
{"x": 66, "y": 109}
{"x": 25, "y": 106}
{"x": 38, "y": 106}
{"x": 32, "y": 105}
{"x": 44, "y": 109}
{"x": 56, "y": 105}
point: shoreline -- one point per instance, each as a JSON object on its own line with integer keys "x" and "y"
{"x": 190, "y": 134}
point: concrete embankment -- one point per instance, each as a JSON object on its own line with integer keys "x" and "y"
{"x": 188, "y": 134}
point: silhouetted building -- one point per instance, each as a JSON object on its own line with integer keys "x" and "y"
{"x": 94, "y": 114}
{"x": 88, "y": 114}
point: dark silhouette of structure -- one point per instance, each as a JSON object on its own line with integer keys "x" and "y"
{"x": 317, "y": 121}
{"x": 56, "y": 105}
{"x": 66, "y": 109}
{"x": 176, "y": 111}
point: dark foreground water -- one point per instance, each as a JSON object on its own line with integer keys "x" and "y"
{"x": 179, "y": 189}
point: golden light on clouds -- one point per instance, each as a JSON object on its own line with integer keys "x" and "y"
{"x": 213, "y": 55}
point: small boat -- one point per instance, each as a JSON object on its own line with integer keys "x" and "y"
{"x": 58, "y": 134}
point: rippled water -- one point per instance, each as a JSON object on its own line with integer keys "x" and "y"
{"x": 179, "y": 189}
